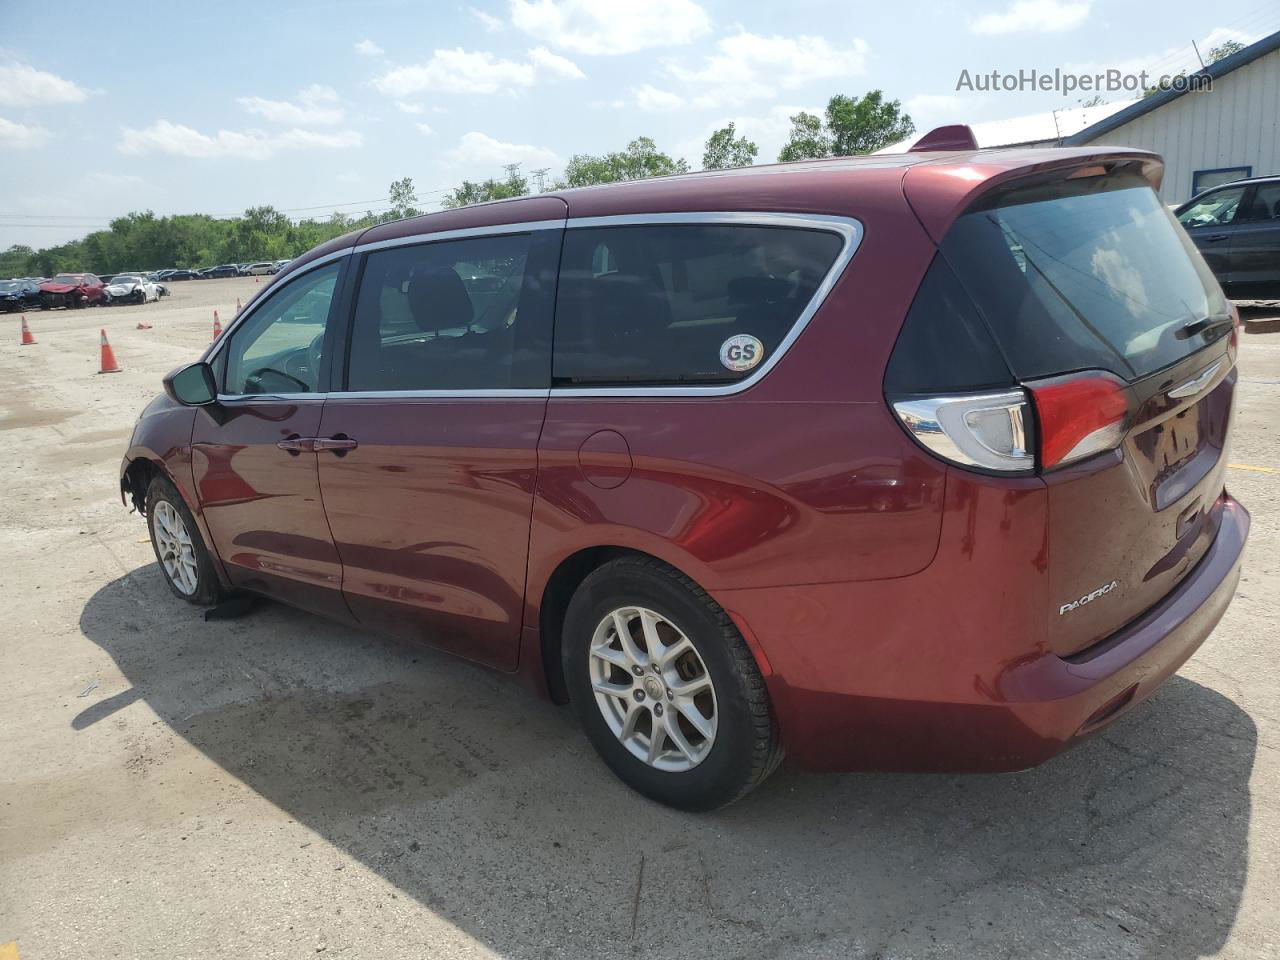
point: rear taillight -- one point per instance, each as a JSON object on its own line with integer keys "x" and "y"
{"x": 1076, "y": 416}
{"x": 985, "y": 430}
{"x": 1079, "y": 415}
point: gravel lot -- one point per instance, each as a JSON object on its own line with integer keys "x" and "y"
{"x": 278, "y": 786}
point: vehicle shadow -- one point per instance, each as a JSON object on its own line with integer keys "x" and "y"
{"x": 487, "y": 807}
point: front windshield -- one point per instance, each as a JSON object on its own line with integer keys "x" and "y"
{"x": 127, "y": 278}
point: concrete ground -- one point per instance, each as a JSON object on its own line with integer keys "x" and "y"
{"x": 278, "y": 786}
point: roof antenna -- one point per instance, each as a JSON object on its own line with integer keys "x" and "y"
{"x": 1203, "y": 65}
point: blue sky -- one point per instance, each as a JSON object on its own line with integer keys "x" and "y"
{"x": 313, "y": 103}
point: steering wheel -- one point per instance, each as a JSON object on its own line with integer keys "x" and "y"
{"x": 304, "y": 365}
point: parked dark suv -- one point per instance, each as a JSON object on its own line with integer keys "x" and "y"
{"x": 897, "y": 463}
{"x": 1237, "y": 228}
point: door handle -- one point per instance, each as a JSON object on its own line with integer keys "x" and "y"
{"x": 339, "y": 444}
{"x": 295, "y": 444}
{"x": 1216, "y": 237}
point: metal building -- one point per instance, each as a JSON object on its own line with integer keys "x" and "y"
{"x": 1210, "y": 137}
{"x": 1206, "y": 137}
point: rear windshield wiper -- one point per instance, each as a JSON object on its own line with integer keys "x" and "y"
{"x": 1203, "y": 325}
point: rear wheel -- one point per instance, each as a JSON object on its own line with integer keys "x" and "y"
{"x": 666, "y": 688}
{"x": 175, "y": 537}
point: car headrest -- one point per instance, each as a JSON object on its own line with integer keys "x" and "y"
{"x": 438, "y": 300}
{"x": 751, "y": 291}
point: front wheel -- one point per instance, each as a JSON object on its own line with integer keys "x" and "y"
{"x": 184, "y": 559}
{"x": 666, "y": 688}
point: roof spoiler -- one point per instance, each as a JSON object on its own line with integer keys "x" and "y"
{"x": 955, "y": 136}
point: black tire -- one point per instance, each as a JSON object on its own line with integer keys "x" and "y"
{"x": 746, "y": 747}
{"x": 208, "y": 590}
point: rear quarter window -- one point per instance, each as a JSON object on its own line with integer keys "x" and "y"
{"x": 683, "y": 303}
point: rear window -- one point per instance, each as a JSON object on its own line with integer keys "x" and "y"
{"x": 1094, "y": 274}
{"x": 682, "y": 303}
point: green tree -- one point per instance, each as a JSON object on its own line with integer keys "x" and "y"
{"x": 641, "y": 159}
{"x": 514, "y": 184}
{"x": 852, "y": 126}
{"x": 723, "y": 151}
{"x": 403, "y": 199}
{"x": 809, "y": 139}
{"x": 1224, "y": 50}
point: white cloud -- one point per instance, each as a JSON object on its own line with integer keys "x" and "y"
{"x": 1034, "y": 16}
{"x": 404, "y": 107}
{"x": 22, "y": 85}
{"x": 478, "y": 151}
{"x": 487, "y": 20}
{"x": 316, "y": 106}
{"x": 183, "y": 141}
{"x": 425, "y": 128}
{"x": 474, "y": 71}
{"x": 369, "y": 49}
{"x": 652, "y": 100}
{"x": 100, "y": 179}
{"x": 748, "y": 66}
{"x": 554, "y": 65}
{"x": 611, "y": 26}
{"x": 930, "y": 109}
{"x": 17, "y": 136}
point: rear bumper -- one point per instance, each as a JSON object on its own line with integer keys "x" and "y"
{"x": 1007, "y": 716}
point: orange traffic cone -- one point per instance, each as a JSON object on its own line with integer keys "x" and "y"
{"x": 217, "y": 326}
{"x": 108, "y": 364}
{"x": 26, "y": 332}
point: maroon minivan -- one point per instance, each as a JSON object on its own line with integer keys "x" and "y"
{"x": 894, "y": 463}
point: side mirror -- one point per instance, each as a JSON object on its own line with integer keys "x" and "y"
{"x": 193, "y": 385}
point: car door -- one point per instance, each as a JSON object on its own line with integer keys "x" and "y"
{"x": 1255, "y": 247}
{"x": 428, "y": 483}
{"x": 1210, "y": 221}
{"x": 251, "y": 452}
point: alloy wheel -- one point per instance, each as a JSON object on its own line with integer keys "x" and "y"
{"x": 174, "y": 546}
{"x": 653, "y": 689}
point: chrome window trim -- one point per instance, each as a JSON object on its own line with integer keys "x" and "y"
{"x": 216, "y": 347}
{"x": 462, "y": 233}
{"x": 848, "y": 228}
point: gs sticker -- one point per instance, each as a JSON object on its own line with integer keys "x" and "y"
{"x": 741, "y": 352}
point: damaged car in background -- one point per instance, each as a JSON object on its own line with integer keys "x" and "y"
{"x": 72, "y": 290}
{"x": 131, "y": 288}
{"x": 18, "y": 295}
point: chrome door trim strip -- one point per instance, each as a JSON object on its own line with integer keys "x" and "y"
{"x": 522, "y": 393}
